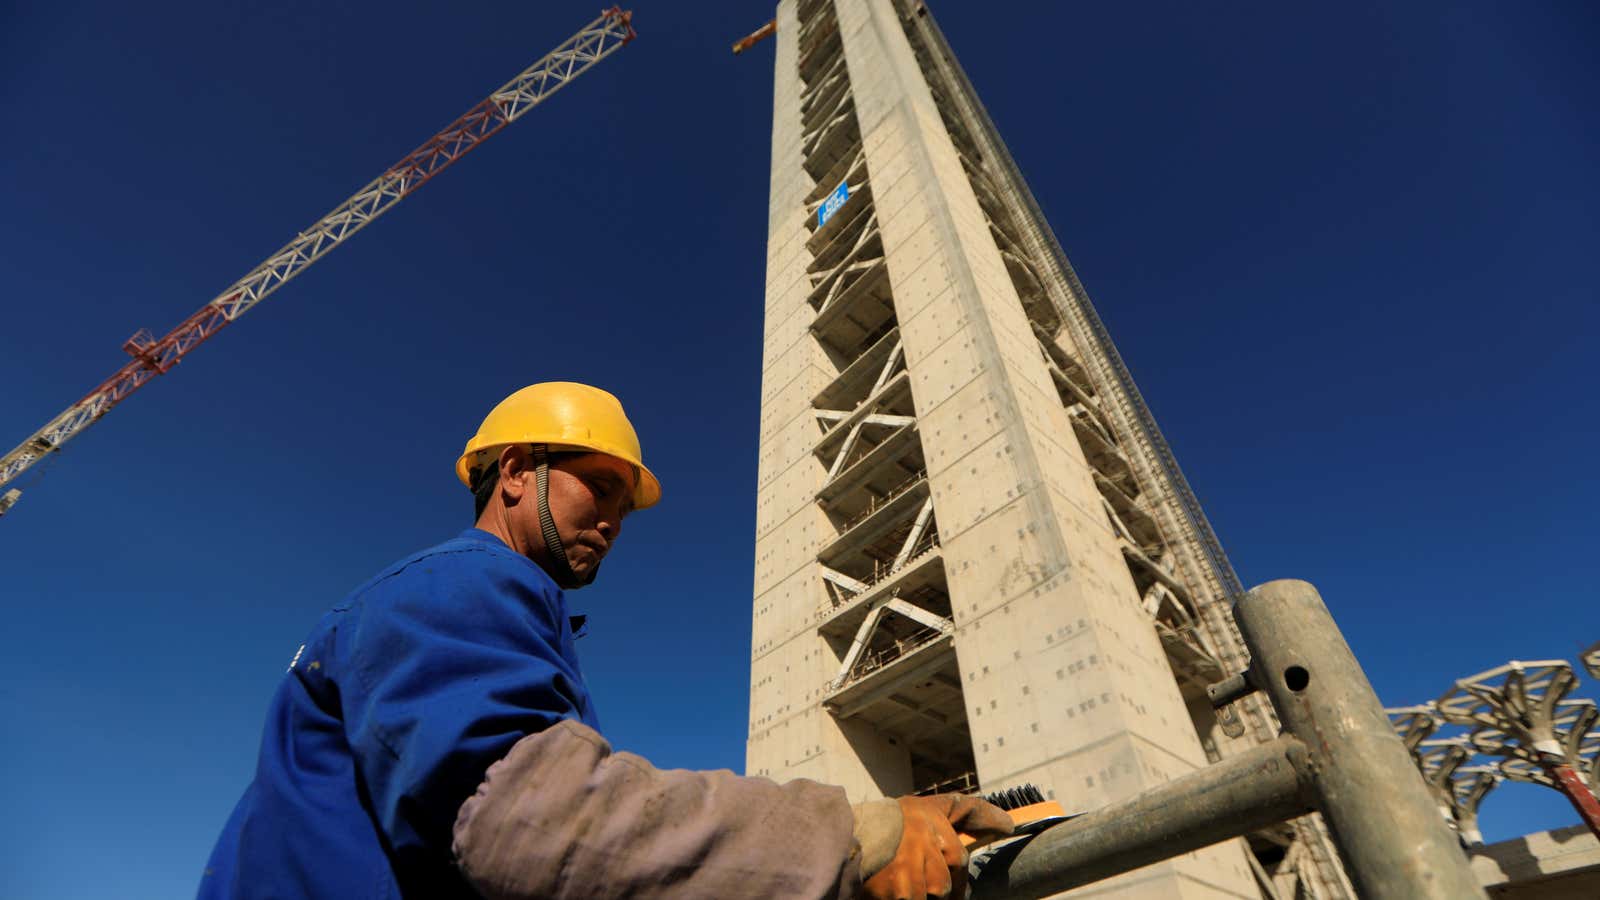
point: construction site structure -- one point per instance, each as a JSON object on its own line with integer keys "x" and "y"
{"x": 1559, "y": 864}
{"x": 154, "y": 356}
{"x": 977, "y": 562}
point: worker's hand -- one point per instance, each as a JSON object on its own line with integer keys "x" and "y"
{"x": 929, "y": 860}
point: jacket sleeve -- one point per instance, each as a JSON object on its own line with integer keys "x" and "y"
{"x": 562, "y": 816}
{"x": 441, "y": 680}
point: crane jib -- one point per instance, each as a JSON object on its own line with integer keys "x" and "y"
{"x": 152, "y": 356}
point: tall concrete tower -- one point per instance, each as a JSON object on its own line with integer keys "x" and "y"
{"x": 977, "y": 562}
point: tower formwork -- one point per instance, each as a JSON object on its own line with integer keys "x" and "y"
{"x": 977, "y": 562}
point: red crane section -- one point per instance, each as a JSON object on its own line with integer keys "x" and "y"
{"x": 154, "y": 356}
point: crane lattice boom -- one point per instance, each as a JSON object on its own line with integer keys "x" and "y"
{"x": 154, "y": 356}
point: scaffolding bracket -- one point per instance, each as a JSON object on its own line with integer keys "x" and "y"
{"x": 1338, "y": 755}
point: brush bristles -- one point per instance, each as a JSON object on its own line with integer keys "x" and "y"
{"x": 1017, "y": 797}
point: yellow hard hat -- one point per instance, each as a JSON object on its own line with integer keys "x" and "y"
{"x": 564, "y": 416}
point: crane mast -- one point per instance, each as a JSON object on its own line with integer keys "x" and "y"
{"x": 154, "y": 356}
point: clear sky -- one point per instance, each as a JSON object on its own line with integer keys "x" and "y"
{"x": 1346, "y": 250}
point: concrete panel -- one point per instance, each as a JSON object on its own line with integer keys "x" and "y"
{"x": 789, "y": 749}
{"x": 975, "y": 485}
{"x": 781, "y": 553}
{"x": 1560, "y": 864}
{"x": 786, "y": 611}
{"x": 797, "y": 373}
{"x": 791, "y": 442}
{"x": 788, "y": 494}
{"x": 790, "y": 681}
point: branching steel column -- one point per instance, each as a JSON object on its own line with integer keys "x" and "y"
{"x": 1520, "y": 712}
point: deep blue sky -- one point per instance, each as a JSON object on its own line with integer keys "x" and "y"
{"x": 1347, "y": 252}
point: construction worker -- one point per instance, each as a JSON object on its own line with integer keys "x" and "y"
{"x": 434, "y": 736}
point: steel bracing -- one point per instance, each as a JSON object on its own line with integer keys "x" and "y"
{"x": 154, "y": 356}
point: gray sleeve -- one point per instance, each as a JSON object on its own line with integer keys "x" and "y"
{"x": 561, "y": 816}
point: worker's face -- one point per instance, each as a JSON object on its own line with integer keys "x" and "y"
{"x": 589, "y": 496}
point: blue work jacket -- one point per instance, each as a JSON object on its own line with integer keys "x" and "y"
{"x": 398, "y": 702}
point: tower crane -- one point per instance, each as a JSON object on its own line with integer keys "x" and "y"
{"x": 154, "y": 356}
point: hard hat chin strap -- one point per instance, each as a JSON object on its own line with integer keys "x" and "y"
{"x": 560, "y": 568}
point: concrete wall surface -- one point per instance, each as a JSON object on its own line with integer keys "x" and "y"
{"x": 1562, "y": 864}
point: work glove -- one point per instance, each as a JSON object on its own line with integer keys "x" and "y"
{"x": 909, "y": 846}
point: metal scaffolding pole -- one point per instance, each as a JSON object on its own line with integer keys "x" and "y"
{"x": 1260, "y": 787}
{"x": 1339, "y": 755}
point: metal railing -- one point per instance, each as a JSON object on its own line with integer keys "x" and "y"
{"x": 965, "y": 783}
{"x": 878, "y": 503}
{"x": 873, "y": 660}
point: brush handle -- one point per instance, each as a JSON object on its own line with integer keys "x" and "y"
{"x": 1023, "y": 816}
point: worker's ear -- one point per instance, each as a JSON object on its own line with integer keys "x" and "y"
{"x": 516, "y": 473}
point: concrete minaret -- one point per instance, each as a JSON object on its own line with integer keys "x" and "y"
{"x": 976, "y": 562}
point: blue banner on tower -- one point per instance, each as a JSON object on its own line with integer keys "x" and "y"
{"x": 831, "y": 205}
